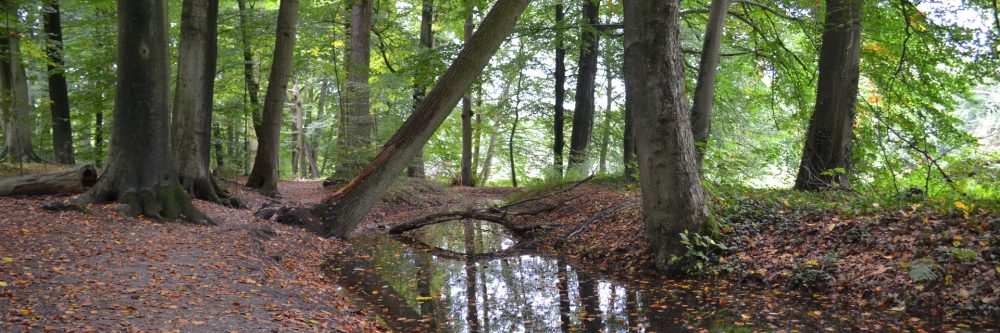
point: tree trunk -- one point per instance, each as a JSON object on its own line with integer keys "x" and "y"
{"x": 467, "y": 113}
{"x": 98, "y": 137}
{"x": 827, "y": 153}
{"x": 484, "y": 176}
{"x": 517, "y": 117}
{"x": 416, "y": 168}
{"x": 140, "y": 173}
{"x": 606, "y": 123}
{"x": 264, "y": 175}
{"x": 583, "y": 114}
{"x": 191, "y": 130}
{"x": 704, "y": 92}
{"x": 70, "y": 181}
{"x": 250, "y": 69}
{"x": 297, "y": 117}
{"x": 628, "y": 148}
{"x": 324, "y": 90}
{"x": 672, "y": 196}
{"x": 358, "y": 123}
{"x": 15, "y": 114}
{"x": 62, "y": 131}
{"x": 559, "y": 120}
{"x": 343, "y": 211}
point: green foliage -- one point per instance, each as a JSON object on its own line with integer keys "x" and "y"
{"x": 700, "y": 252}
{"x": 961, "y": 254}
{"x": 922, "y": 270}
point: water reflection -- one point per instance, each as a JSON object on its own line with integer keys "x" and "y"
{"x": 449, "y": 286}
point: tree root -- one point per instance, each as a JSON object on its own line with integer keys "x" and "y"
{"x": 159, "y": 202}
{"x": 208, "y": 189}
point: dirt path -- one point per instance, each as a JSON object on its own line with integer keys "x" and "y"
{"x": 70, "y": 271}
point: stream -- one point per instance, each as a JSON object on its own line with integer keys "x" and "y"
{"x": 471, "y": 277}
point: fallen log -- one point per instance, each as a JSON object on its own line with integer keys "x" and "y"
{"x": 70, "y": 181}
{"x": 461, "y": 215}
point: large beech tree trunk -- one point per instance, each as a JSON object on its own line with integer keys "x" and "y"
{"x": 15, "y": 106}
{"x": 466, "y": 163}
{"x": 827, "y": 153}
{"x": 672, "y": 196}
{"x": 71, "y": 181}
{"x": 416, "y": 168}
{"x": 191, "y": 130}
{"x": 62, "y": 132}
{"x": 559, "y": 118}
{"x": 264, "y": 175}
{"x": 583, "y": 114}
{"x": 358, "y": 124}
{"x": 342, "y": 212}
{"x": 704, "y": 92}
{"x": 140, "y": 172}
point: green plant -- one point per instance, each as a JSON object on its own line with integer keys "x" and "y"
{"x": 962, "y": 254}
{"x": 922, "y": 270}
{"x": 700, "y": 251}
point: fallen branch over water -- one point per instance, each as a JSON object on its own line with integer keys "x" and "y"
{"x": 461, "y": 215}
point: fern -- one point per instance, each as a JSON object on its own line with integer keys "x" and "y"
{"x": 963, "y": 254}
{"x": 922, "y": 270}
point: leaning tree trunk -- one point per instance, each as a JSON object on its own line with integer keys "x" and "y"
{"x": 704, "y": 92}
{"x": 583, "y": 114}
{"x": 358, "y": 124}
{"x": 827, "y": 153}
{"x": 62, "y": 132}
{"x": 191, "y": 130}
{"x": 16, "y": 106}
{"x": 342, "y": 212}
{"x": 466, "y": 163}
{"x": 140, "y": 173}
{"x": 265, "y": 166}
{"x": 559, "y": 119}
{"x": 70, "y": 181}
{"x": 416, "y": 168}
{"x": 672, "y": 196}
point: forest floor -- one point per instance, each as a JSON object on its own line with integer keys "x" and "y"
{"x": 861, "y": 262}
{"x": 100, "y": 272}
{"x": 106, "y": 272}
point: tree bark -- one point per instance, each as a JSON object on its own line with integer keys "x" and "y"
{"x": 628, "y": 148}
{"x": 264, "y": 175}
{"x": 343, "y": 211}
{"x": 250, "y": 69}
{"x": 140, "y": 173}
{"x": 583, "y": 114}
{"x": 672, "y": 195}
{"x": 62, "y": 131}
{"x": 559, "y": 120}
{"x": 517, "y": 117}
{"x": 466, "y": 163}
{"x": 358, "y": 123}
{"x": 827, "y": 153}
{"x": 416, "y": 168}
{"x": 191, "y": 130}
{"x": 484, "y": 175}
{"x": 70, "y": 181}
{"x": 15, "y": 114}
{"x": 299, "y": 167}
{"x": 606, "y": 122}
{"x": 704, "y": 92}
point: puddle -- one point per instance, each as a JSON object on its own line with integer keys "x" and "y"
{"x": 457, "y": 277}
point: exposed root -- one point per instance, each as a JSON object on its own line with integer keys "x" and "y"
{"x": 208, "y": 189}
{"x": 159, "y": 202}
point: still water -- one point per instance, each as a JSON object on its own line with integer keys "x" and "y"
{"x": 471, "y": 277}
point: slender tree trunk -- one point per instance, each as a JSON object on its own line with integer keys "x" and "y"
{"x": 264, "y": 175}
{"x": 324, "y": 90}
{"x": 467, "y": 113}
{"x": 358, "y": 123}
{"x": 62, "y": 132}
{"x": 827, "y": 153}
{"x": 98, "y": 138}
{"x": 297, "y": 117}
{"x": 250, "y": 69}
{"x": 583, "y": 114}
{"x": 513, "y": 128}
{"x": 704, "y": 92}
{"x": 416, "y": 168}
{"x": 191, "y": 129}
{"x": 559, "y": 120}
{"x": 343, "y": 211}
{"x": 15, "y": 102}
{"x": 672, "y": 196}
{"x": 140, "y": 173}
{"x": 484, "y": 176}
{"x": 606, "y": 123}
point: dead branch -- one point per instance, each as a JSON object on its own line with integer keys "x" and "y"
{"x": 540, "y": 197}
{"x": 593, "y": 219}
{"x": 460, "y": 215}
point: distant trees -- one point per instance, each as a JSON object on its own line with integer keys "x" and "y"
{"x": 265, "y": 167}
{"x": 559, "y": 117}
{"x": 583, "y": 113}
{"x": 416, "y": 168}
{"x": 62, "y": 132}
{"x": 672, "y": 195}
{"x": 827, "y": 152}
{"x": 357, "y": 128}
{"x": 14, "y": 103}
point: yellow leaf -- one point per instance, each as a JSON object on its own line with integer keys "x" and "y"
{"x": 7, "y": 259}
{"x": 813, "y": 262}
{"x": 197, "y": 323}
{"x": 997, "y": 269}
{"x": 424, "y": 298}
{"x": 4, "y": 284}
{"x": 957, "y": 240}
{"x": 961, "y": 206}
